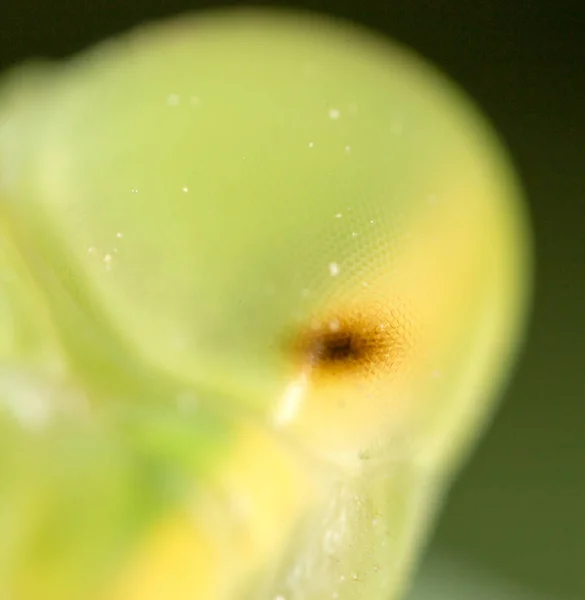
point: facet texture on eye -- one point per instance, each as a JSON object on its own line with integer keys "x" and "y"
{"x": 369, "y": 340}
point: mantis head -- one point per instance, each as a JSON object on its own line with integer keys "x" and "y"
{"x": 266, "y": 274}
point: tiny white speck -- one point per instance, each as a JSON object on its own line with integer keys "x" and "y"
{"x": 334, "y": 269}
{"x": 107, "y": 258}
{"x": 135, "y": 190}
{"x": 173, "y": 99}
{"x": 348, "y": 149}
{"x": 185, "y": 189}
{"x": 334, "y": 325}
{"x": 311, "y": 144}
{"x": 354, "y": 234}
{"x": 279, "y": 598}
{"x": 372, "y": 221}
{"x": 338, "y": 216}
{"x": 91, "y": 249}
{"x": 354, "y": 576}
{"x": 342, "y": 578}
{"x": 334, "y": 114}
{"x": 119, "y": 235}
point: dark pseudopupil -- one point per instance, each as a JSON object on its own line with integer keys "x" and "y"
{"x": 362, "y": 342}
{"x": 348, "y": 348}
{"x": 338, "y": 347}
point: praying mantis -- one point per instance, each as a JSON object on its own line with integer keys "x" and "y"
{"x": 263, "y": 276}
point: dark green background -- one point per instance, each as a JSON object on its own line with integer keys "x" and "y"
{"x": 519, "y": 507}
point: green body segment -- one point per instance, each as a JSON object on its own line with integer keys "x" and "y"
{"x": 277, "y": 270}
